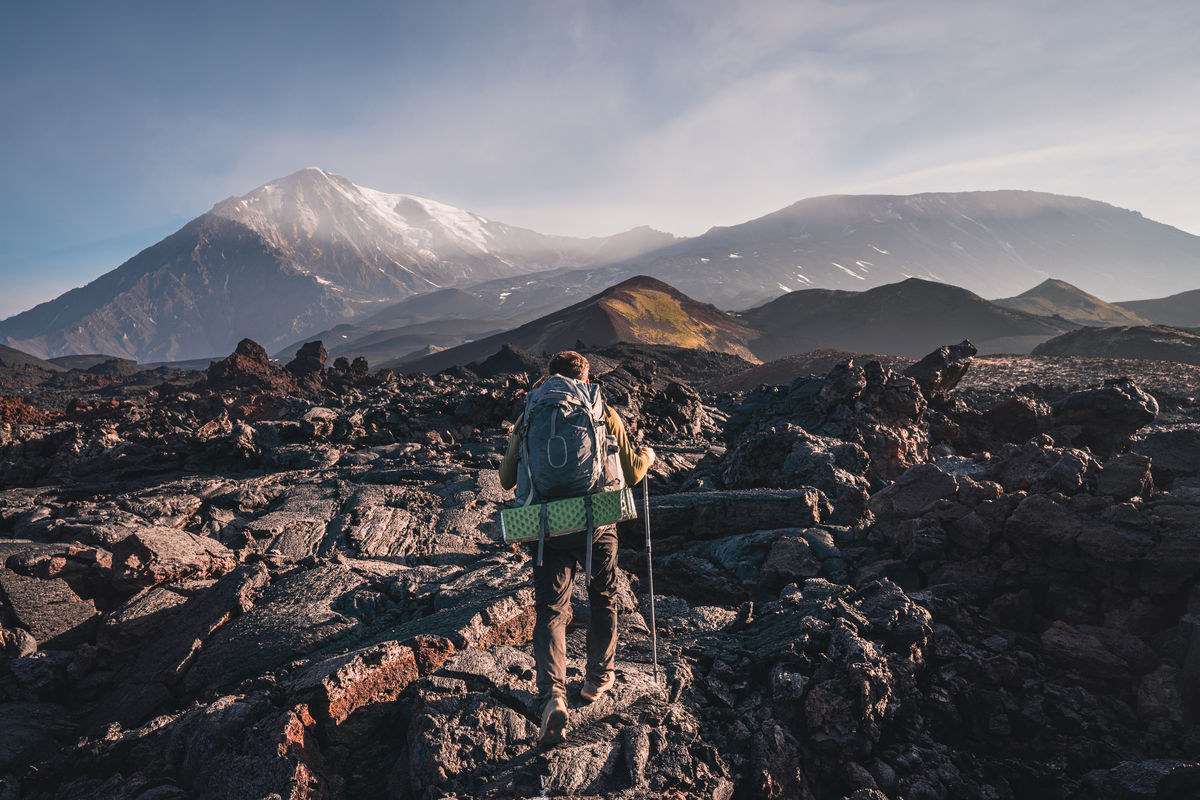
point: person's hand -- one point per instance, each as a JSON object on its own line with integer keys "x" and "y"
{"x": 647, "y": 450}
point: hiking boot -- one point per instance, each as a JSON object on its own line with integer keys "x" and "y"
{"x": 592, "y": 689}
{"x": 554, "y": 722}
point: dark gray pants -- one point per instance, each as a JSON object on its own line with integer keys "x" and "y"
{"x": 552, "y": 583}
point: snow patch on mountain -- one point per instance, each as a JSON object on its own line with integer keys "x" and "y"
{"x": 849, "y": 272}
{"x": 468, "y": 227}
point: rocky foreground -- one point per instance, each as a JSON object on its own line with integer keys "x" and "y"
{"x": 261, "y": 582}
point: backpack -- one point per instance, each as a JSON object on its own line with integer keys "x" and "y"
{"x": 565, "y": 449}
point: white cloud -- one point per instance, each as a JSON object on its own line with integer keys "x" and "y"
{"x": 587, "y": 118}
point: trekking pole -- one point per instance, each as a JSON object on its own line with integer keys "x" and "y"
{"x": 650, "y": 571}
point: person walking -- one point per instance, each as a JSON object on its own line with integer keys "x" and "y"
{"x": 562, "y": 555}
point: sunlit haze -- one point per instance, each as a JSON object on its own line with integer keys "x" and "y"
{"x": 121, "y": 121}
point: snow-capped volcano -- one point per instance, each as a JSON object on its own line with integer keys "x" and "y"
{"x": 295, "y": 256}
{"x": 313, "y": 203}
{"x": 386, "y": 246}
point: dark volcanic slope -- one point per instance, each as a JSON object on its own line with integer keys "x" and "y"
{"x": 1181, "y": 310}
{"x": 385, "y": 346}
{"x": 10, "y": 357}
{"x": 640, "y": 310}
{"x": 188, "y": 296}
{"x": 443, "y": 318}
{"x": 909, "y": 318}
{"x": 1055, "y": 298}
{"x": 86, "y": 361}
{"x": 1149, "y": 342}
{"x": 442, "y": 304}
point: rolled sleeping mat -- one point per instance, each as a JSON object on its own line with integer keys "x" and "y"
{"x": 567, "y": 516}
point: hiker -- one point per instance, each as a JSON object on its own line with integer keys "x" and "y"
{"x": 561, "y": 555}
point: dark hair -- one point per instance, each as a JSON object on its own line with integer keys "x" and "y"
{"x": 569, "y": 364}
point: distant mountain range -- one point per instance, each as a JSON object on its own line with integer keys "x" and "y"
{"x": 993, "y": 243}
{"x": 313, "y": 255}
{"x": 441, "y": 319}
{"x": 909, "y": 318}
{"x": 291, "y": 258}
{"x": 905, "y": 319}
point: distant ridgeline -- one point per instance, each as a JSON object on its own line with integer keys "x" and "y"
{"x": 397, "y": 278}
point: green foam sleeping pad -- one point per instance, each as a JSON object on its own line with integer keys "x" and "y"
{"x": 567, "y": 516}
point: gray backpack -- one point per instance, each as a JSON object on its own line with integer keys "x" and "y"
{"x": 565, "y": 446}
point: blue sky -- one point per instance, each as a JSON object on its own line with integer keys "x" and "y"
{"x": 123, "y": 120}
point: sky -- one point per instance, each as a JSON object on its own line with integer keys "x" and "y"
{"x": 120, "y": 121}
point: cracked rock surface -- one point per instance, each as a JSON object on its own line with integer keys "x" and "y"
{"x": 963, "y": 578}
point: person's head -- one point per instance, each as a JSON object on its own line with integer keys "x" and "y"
{"x": 570, "y": 364}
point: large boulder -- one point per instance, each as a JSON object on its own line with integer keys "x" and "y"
{"x": 1173, "y": 454}
{"x": 249, "y": 368}
{"x": 53, "y": 614}
{"x": 154, "y": 555}
{"x": 913, "y": 493}
{"x": 939, "y": 372}
{"x": 1017, "y": 418}
{"x": 788, "y": 457}
{"x": 1103, "y": 419}
{"x": 712, "y": 515}
{"x": 309, "y": 360}
{"x": 1126, "y": 476}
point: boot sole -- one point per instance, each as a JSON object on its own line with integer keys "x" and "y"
{"x": 553, "y": 729}
{"x": 591, "y": 698}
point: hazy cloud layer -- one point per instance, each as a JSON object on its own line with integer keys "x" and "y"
{"x": 579, "y": 117}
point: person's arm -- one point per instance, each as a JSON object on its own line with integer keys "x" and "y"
{"x": 508, "y": 467}
{"x": 634, "y": 462}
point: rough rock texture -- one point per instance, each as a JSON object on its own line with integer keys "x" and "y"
{"x": 48, "y": 609}
{"x": 1105, "y": 417}
{"x": 938, "y": 373}
{"x": 310, "y": 358}
{"x": 979, "y": 579}
{"x": 153, "y": 555}
{"x": 248, "y": 366}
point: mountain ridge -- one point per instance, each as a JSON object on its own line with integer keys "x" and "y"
{"x": 1180, "y": 310}
{"x": 285, "y": 260}
{"x": 313, "y": 251}
{"x": 1053, "y": 297}
{"x": 990, "y": 242}
{"x": 1145, "y": 342}
{"x": 908, "y": 318}
{"x": 640, "y": 309}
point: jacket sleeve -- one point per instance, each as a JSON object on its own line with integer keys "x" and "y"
{"x": 508, "y": 467}
{"x": 633, "y": 463}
